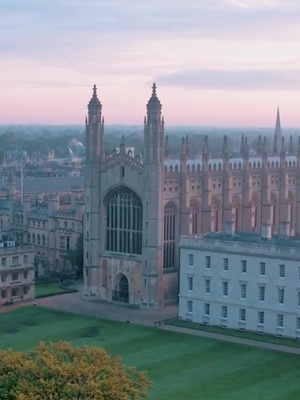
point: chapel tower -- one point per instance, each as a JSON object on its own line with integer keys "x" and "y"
{"x": 153, "y": 212}
{"x": 94, "y": 129}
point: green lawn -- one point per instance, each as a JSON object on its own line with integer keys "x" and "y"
{"x": 49, "y": 289}
{"x": 180, "y": 366}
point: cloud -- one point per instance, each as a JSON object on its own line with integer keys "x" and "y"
{"x": 245, "y": 79}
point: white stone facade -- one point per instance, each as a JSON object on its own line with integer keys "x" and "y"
{"x": 241, "y": 281}
{"x": 16, "y": 272}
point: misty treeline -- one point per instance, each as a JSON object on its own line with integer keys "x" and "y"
{"x": 43, "y": 139}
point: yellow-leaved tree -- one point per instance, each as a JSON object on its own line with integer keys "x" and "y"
{"x": 60, "y": 371}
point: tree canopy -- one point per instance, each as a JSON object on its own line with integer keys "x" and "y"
{"x": 59, "y": 371}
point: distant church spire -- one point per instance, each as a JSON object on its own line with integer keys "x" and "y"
{"x": 166, "y": 147}
{"x": 291, "y": 146}
{"x": 277, "y": 134}
{"x": 259, "y": 146}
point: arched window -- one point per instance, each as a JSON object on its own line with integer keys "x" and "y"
{"x": 194, "y": 210}
{"x": 38, "y": 239}
{"x": 273, "y": 209}
{"x": 215, "y": 214}
{"x": 28, "y": 238}
{"x": 44, "y": 240}
{"x": 33, "y": 238}
{"x": 255, "y": 211}
{"x": 236, "y": 211}
{"x": 169, "y": 235}
{"x": 124, "y": 221}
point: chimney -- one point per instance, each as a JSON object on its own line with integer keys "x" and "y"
{"x": 266, "y": 231}
{"x": 284, "y": 228}
{"x": 229, "y": 227}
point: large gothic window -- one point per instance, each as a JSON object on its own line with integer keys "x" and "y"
{"x": 169, "y": 235}
{"x": 124, "y": 221}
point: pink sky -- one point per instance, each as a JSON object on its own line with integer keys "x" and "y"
{"x": 215, "y": 62}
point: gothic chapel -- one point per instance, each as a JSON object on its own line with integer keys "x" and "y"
{"x": 136, "y": 207}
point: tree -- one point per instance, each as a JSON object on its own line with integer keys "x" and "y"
{"x": 59, "y": 371}
{"x": 75, "y": 256}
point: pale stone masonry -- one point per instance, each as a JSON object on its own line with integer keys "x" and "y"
{"x": 137, "y": 206}
{"x": 16, "y": 272}
{"x": 242, "y": 280}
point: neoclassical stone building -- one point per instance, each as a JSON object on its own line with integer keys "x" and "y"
{"x": 136, "y": 207}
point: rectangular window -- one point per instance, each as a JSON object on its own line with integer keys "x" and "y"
{"x": 298, "y": 323}
{"x": 25, "y": 290}
{"x": 15, "y": 260}
{"x": 224, "y": 311}
{"x": 3, "y": 294}
{"x": 207, "y": 285}
{"x": 242, "y": 314}
{"x": 191, "y": 260}
{"x": 3, "y": 277}
{"x": 25, "y": 259}
{"x": 262, "y": 292}
{"x": 299, "y": 298}
{"x": 244, "y": 266}
{"x": 15, "y": 292}
{"x": 243, "y": 290}
{"x": 281, "y": 296}
{"x": 207, "y": 261}
{"x": 281, "y": 270}
{"x": 225, "y": 264}
{"x": 206, "y": 309}
{"x": 15, "y": 276}
{"x": 280, "y": 320}
{"x": 261, "y": 317}
{"x": 25, "y": 274}
{"x": 68, "y": 243}
{"x": 190, "y": 283}
{"x": 190, "y": 306}
{"x": 263, "y": 268}
{"x": 3, "y": 261}
{"x": 62, "y": 242}
{"x": 225, "y": 288}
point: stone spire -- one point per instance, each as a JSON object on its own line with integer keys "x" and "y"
{"x": 246, "y": 148}
{"x": 122, "y": 145}
{"x": 291, "y": 146}
{"x": 183, "y": 150}
{"x": 259, "y": 146}
{"x": 298, "y": 149}
{"x": 187, "y": 146}
{"x": 277, "y": 133}
{"x": 242, "y": 144}
{"x": 225, "y": 146}
{"x": 264, "y": 149}
{"x": 154, "y": 105}
{"x": 282, "y": 147}
{"x": 167, "y": 147}
{"x": 275, "y": 145}
{"x": 94, "y": 102}
{"x": 205, "y": 149}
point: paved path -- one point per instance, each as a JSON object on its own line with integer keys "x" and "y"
{"x": 232, "y": 339}
{"x": 73, "y": 302}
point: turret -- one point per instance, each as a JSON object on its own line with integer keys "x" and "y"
{"x": 166, "y": 148}
{"x": 277, "y": 134}
{"x": 94, "y": 129}
{"x": 291, "y": 146}
{"x": 153, "y": 131}
{"x": 259, "y": 146}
